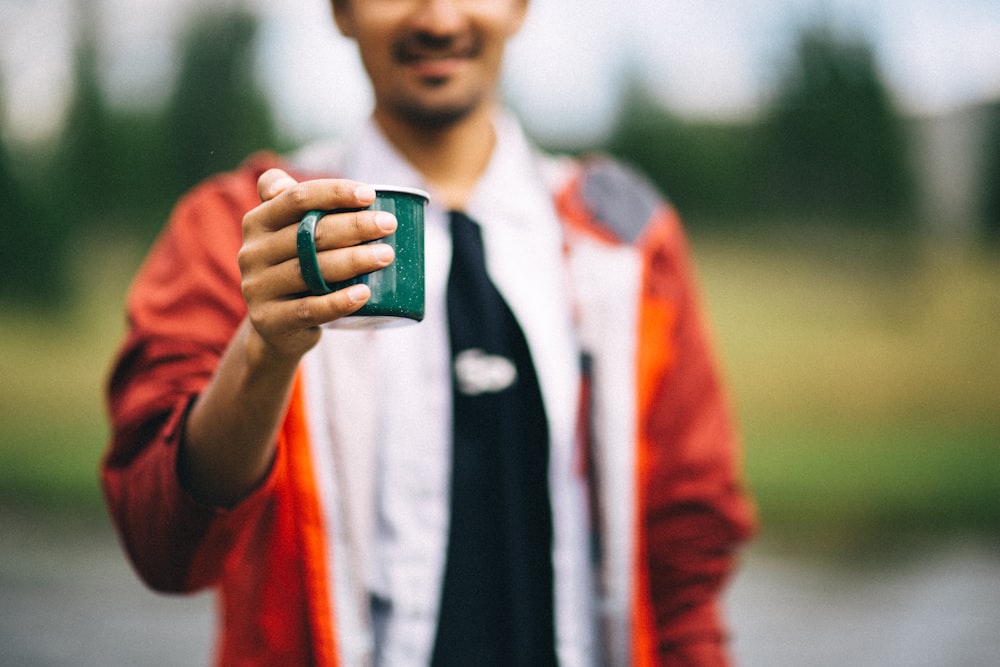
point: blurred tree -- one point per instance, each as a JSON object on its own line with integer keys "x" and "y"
{"x": 703, "y": 167}
{"x": 990, "y": 186}
{"x": 30, "y": 250}
{"x": 82, "y": 167}
{"x": 97, "y": 180}
{"x": 834, "y": 144}
{"x": 105, "y": 160}
{"x": 217, "y": 113}
{"x": 112, "y": 170}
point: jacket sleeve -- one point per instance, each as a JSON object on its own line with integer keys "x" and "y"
{"x": 183, "y": 308}
{"x": 695, "y": 512}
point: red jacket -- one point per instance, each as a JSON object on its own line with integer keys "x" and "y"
{"x": 268, "y": 556}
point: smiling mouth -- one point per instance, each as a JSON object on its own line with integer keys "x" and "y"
{"x": 436, "y": 71}
{"x": 416, "y": 58}
{"x": 425, "y": 51}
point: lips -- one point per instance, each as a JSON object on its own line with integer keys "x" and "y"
{"x": 435, "y": 55}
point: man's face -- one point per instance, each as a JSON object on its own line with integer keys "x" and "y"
{"x": 431, "y": 62}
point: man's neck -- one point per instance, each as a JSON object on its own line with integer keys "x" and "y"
{"x": 451, "y": 159}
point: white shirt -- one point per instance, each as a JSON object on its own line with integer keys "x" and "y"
{"x": 394, "y": 546}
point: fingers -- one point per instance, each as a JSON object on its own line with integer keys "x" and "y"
{"x": 272, "y": 281}
{"x": 283, "y": 281}
{"x": 270, "y": 230}
{"x": 337, "y": 230}
{"x": 332, "y": 233}
{"x": 347, "y": 229}
{"x": 285, "y": 200}
{"x": 276, "y": 320}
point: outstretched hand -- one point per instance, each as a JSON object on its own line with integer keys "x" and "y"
{"x": 229, "y": 440}
{"x": 281, "y": 312}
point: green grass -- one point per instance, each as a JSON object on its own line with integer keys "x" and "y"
{"x": 839, "y": 486}
{"x": 865, "y": 373}
{"x": 54, "y": 363}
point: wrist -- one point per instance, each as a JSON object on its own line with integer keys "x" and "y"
{"x": 267, "y": 355}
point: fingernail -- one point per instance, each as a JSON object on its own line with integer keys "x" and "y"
{"x": 382, "y": 252}
{"x": 385, "y": 221}
{"x": 364, "y": 192}
{"x": 357, "y": 293}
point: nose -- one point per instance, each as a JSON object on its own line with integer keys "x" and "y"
{"x": 440, "y": 17}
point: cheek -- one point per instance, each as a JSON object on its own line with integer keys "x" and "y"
{"x": 498, "y": 32}
{"x": 376, "y": 53}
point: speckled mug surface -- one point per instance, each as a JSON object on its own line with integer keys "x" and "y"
{"x": 397, "y": 291}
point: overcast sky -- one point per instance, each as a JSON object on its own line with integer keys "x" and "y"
{"x": 702, "y": 57}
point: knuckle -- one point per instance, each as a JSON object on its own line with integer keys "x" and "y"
{"x": 359, "y": 259}
{"x": 257, "y": 321}
{"x": 247, "y": 224}
{"x": 298, "y": 196}
{"x": 321, "y": 231}
{"x": 244, "y": 258}
{"x": 295, "y": 267}
{"x": 304, "y": 312}
{"x": 346, "y": 187}
{"x": 246, "y": 290}
{"x": 248, "y": 287}
{"x": 251, "y": 290}
{"x": 261, "y": 321}
{"x": 364, "y": 222}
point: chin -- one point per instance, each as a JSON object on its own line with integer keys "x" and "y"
{"x": 434, "y": 117}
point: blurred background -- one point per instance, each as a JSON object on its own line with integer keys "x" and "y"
{"x": 838, "y": 166}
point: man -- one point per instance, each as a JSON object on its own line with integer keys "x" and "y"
{"x": 352, "y": 498}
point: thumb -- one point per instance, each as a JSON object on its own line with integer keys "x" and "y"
{"x": 272, "y": 183}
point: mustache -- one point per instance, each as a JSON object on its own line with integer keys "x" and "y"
{"x": 425, "y": 46}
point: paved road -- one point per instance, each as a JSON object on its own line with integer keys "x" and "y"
{"x": 68, "y": 599}
{"x": 940, "y": 608}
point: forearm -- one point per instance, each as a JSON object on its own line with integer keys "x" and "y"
{"x": 230, "y": 434}
{"x": 229, "y": 437}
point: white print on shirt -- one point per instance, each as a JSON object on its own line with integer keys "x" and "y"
{"x": 481, "y": 373}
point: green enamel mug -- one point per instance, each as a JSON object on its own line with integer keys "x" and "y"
{"x": 397, "y": 291}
